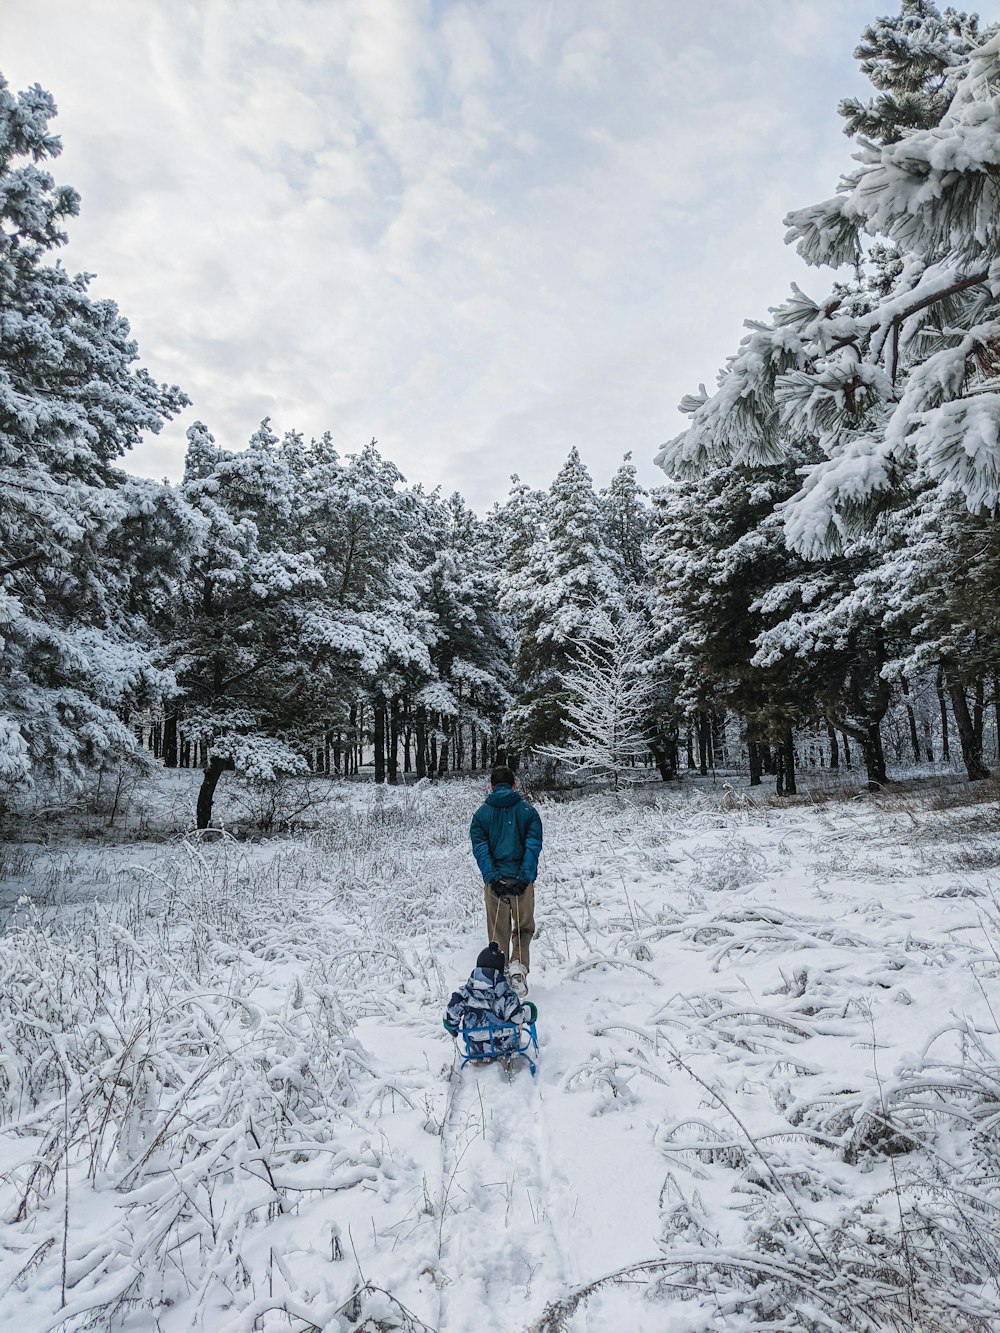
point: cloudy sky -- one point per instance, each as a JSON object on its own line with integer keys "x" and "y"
{"x": 479, "y": 232}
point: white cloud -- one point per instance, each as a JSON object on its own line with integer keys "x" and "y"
{"x": 482, "y": 233}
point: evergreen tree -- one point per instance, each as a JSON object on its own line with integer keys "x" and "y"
{"x": 937, "y": 590}
{"x": 717, "y": 555}
{"x": 238, "y": 622}
{"x": 627, "y": 523}
{"x": 569, "y": 575}
{"x": 514, "y": 528}
{"x": 75, "y": 654}
{"x": 913, "y": 59}
{"x": 470, "y": 649}
{"x": 887, "y": 386}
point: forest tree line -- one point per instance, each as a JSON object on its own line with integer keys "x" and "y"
{"x": 819, "y": 570}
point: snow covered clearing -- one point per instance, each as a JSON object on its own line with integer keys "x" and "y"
{"x": 767, "y": 1094}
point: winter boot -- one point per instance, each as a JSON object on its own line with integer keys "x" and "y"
{"x": 518, "y": 979}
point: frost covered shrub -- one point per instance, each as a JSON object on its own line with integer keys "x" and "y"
{"x": 804, "y": 1191}
{"x": 273, "y": 804}
{"x": 732, "y": 867}
{"x": 906, "y": 1240}
{"x": 160, "y": 1114}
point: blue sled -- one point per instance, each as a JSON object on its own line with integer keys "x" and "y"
{"x": 495, "y": 1040}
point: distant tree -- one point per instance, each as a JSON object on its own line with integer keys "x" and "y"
{"x": 569, "y": 576}
{"x": 514, "y": 527}
{"x": 470, "y": 647}
{"x": 627, "y": 525}
{"x": 236, "y": 631}
{"x": 369, "y": 628}
{"x": 608, "y": 696}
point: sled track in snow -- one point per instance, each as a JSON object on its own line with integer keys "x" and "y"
{"x": 500, "y": 1211}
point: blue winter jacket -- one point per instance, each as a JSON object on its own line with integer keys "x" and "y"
{"x": 506, "y": 837}
{"x": 487, "y": 994}
{"x": 485, "y": 998}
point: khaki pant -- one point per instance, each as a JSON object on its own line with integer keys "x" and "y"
{"x": 511, "y": 922}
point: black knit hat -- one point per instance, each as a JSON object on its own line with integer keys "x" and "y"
{"x": 491, "y": 957}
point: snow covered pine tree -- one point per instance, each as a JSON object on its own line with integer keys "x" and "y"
{"x": 75, "y": 650}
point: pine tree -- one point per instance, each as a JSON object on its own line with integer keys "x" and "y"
{"x": 470, "y": 649}
{"x": 514, "y": 527}
{"x": 627, "y": 524}
{"x": 913, "y": 59}
{"x": 890, "y": 382}
{"x": 75, "y": 655}
{"x": 238, "y": 623}
{"x": 568, "y": 577}
{"x": 372, "y": 534}
{"x": 937, "y": 590}
{"x": 717, "y": 554}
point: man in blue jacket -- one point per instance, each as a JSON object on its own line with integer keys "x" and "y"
{"x": 506, "y": 837}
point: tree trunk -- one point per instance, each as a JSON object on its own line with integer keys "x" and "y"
{"x": 214, "y": 770}
{"x": 717, "y": 722}
{"x": 929, "y": 740}
{"x": 972, "y": 748}
{"x": 458, "y": 735}
{"x": 392, "y": 759}
{"x": 871, "y": 748}
{"x": 379, "y": 708}
{"x": 704, "y": 742}
{"x": 867, "y": 732}
{"x": 847, "y": 749}
{"x": 170, "y": 756}
{"x": 420, "y": 758}
{"x": 442, "y": 764}
{"x": 911, "y": 717}
{"x": 831, "y": 732}
{"x": 662, "y": 756}
{"x": 870, "y": 740}
{"x": 690, "y": 748}
{"x": 788, "y": 748}
{"x": 939, "y": 684}
{"x": 756, "y": 762}
{"x": 978, "y": 711}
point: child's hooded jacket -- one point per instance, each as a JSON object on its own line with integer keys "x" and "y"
{"x": 486, "y": 994}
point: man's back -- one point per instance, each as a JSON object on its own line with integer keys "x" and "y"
{"x": 506, "y": 836}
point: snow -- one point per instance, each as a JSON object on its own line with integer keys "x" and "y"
{"x": 267, "y": 1120}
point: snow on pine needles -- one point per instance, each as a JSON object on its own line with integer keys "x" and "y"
{"x": 767, "y": 1096}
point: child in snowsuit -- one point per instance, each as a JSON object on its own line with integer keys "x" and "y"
{"x": 485, "y": 997}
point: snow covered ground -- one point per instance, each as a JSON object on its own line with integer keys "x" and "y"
{"x": 767, "y": 1095}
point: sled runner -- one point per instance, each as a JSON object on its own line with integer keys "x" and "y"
{"x": 496, "y": 1040}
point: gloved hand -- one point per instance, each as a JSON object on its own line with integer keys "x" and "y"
{"x": 450, "y": 1028}
{"x": 507, "y": 886}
